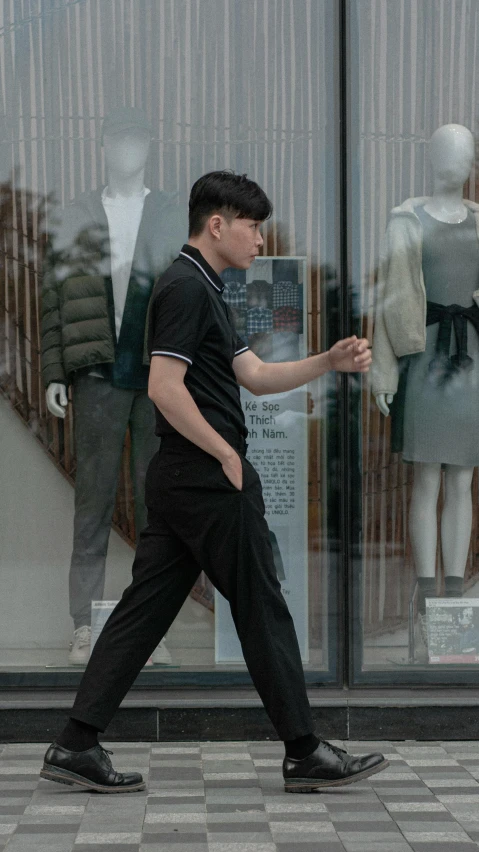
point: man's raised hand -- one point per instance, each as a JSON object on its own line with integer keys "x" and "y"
{"x": 351, "y": 355}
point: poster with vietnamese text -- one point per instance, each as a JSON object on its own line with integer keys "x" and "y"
{"x": 270, "y": 309}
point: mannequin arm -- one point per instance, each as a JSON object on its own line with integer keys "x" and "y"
{"x": 383, "y": 401}
{"x": 57, "y": 399}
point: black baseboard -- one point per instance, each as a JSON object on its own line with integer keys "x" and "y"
{"x": 208, "y": 716}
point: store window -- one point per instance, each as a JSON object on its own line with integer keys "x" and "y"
{"x": 415, "y": 270}
{"x": 109, "y": 112}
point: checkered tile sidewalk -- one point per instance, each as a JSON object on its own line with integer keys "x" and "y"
{"x": 228, "y": 797}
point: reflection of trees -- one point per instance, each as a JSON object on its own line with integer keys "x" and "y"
{"x": 25, "y": 218}
{"x": 84, "y": 255}
{"x": 23, "y": 215}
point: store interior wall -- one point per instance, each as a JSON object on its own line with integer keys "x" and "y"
{"x": 36, "y": 529}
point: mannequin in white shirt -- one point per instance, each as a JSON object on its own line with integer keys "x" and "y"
{"x": 126, "y": 152}
{"x": 452, "y": 154}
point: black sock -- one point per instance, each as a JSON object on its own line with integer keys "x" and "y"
{"x": 78, "y": 736}
{"x": 301, "y": 747}
{"x": 427, "y": 589}
{"x": 454, "y": 587}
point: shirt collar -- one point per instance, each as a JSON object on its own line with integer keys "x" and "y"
{"x": 140, "y": 195}
{"x": 194, "y": 255}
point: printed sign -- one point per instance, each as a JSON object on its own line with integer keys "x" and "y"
{"x": 453, "y": 630}
{"x": 100, "y": 613}
{"x": 269, "y": 302}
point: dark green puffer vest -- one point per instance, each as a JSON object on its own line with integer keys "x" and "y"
{"x": 77, "y": 320}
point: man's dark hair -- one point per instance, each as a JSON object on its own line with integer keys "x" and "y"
{"x": 227, "y": 193}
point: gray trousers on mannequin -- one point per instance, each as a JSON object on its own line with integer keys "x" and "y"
{"x": 102, "y": 415}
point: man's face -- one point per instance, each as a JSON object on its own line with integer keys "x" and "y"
{"x": 240, "y": 242}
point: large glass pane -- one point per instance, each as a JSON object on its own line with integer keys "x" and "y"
{"x": 415, "y": 267}
{"x": 109, "y": 112}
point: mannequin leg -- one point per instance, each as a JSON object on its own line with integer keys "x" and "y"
{"x": 101, "y": 418}
{"x": 456, "y": 521}
{"x": 423, "y": 533}
{"x": 423, "y": 517}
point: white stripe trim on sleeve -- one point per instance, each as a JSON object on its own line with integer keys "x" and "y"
{"x": 172, "y": 355}
{"x": 239, "y": 351}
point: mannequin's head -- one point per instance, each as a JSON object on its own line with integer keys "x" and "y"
{"x": 452, "y": 155}
{"x": 126, "y": 136}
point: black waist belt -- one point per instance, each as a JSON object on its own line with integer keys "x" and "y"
{"x": 232, "y": 438}
{"x": 443, "y": 365}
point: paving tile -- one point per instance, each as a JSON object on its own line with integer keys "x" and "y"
{"x": 377, "y": 846}
{"x": 105, "y": 847}
{"x": 354, "y": 807}
{"x": 298, "y": 805}
{"x": 116, "y": 838}
{"x": 365, "y": 828}
{"x": 444, "y": 846}
{"x": 8, "y": 828}
{"x": 241, "y": 847}
{"x": 310, "y": 827}
{"x": 362, "y": 818}
{"x": 228, "y": 755}
{"x": 435, "y": 818}
{"x": 196, "y": 807}
{"x": 400, "y": 794}
{"x": 183, "y": 792}
{"x": 185, "y": 830}
{"x": 169, "y": 847}
{"x": 316, "y": 846}
{"x": 370, "y": 836}
{"x": 239, "y": 819}
{"x": 453, "y": 836}
{"x": 213, "y": 808}
{"x": 248, "y": 838}
{"x": 410, "y": 827}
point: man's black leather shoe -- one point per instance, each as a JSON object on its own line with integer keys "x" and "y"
{"x": 329, "y": 766}
{"x": 90, "y": 770}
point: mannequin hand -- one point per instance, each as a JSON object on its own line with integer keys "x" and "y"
{"x": 383, "y": 401}
{"x": 57, "y": 399}
{"x": 350, "y": 355}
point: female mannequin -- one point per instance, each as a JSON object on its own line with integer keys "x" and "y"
{"x": 441, "y": 415}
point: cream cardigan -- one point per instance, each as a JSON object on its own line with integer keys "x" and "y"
{"x": 400, "y": 322}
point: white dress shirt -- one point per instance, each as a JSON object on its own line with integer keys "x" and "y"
{"x": 124, "y": 217}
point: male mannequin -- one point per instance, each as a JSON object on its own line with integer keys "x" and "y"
{"x": 103, "y": 260}
{"x": 432, "y": 262}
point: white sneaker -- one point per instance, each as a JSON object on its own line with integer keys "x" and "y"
{"x": 80, "y": 647}
{"x": 160, "y": 656}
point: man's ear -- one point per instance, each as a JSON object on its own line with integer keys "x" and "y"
{"x": 214, "y": 224}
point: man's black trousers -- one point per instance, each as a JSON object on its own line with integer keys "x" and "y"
{"x": 197, "y": 520}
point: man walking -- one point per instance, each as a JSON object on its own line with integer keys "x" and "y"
{"x": 205, "y": 507}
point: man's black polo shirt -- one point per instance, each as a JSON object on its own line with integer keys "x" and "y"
{"x": 189, "y": 320}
